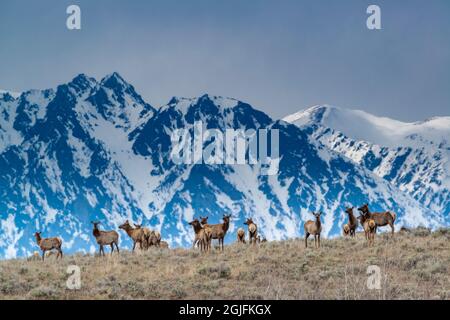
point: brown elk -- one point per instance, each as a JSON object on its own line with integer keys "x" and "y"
{"x": 352, "y": 221}
{"x": 164, "y": 245}
{"x": 314, "y": 228}
{"x": 154, "y": 239}
{"x": 252, "y": 231}
{"x": 370, "y": 228}
{"x": 150, "y": 237}
{"x": 241, "y": 235}
{"x": 49, "y": 244}
{"x": 136, "y": 234}
{"x": 105, "y": 238}
{"x": 381, "y": 218}
{"x": 201, "y": 237}
{"x": 218, "y": 231}
{"x": 346, "y": 229}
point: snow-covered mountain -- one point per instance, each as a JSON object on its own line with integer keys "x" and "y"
{"x": 11, "y": 93}
{"x": 95, "y": 150}
{"x": 413, "y": 156}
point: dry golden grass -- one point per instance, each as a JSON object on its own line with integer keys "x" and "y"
{"x": 414, "y": 266}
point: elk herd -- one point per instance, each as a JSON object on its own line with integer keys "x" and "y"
{"x": 369, "y": 221}
{"x": 204, "y": 232}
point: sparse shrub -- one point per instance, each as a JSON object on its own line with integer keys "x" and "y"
{"x": 216, "y": 272}
{"x": 44, "y": 292}
{"x": 415, "y": 268}
{"x": 421, "y": 232}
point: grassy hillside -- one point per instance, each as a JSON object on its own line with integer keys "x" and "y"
{"x": 413, "y": 265}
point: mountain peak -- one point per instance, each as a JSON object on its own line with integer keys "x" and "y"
{"x": 9, "y": 95}
{"x": 314, "y": 114}
{"x": 113, "y": 81}
{"x": 82, "y": 82}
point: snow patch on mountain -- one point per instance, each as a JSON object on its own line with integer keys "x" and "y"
{"x": 413, "y": 156}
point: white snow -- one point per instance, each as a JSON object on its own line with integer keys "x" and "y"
{"x": 382, "y": 131}
{"x": 13, "y": 94}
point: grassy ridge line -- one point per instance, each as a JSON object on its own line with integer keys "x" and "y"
{"x": 414, "y": 266}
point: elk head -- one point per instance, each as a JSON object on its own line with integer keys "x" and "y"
{"x": 249, "y": 221}
{"x": 364, "y": 209}
{"x": 204, "y": 220}
{"x": 125, "y": 226}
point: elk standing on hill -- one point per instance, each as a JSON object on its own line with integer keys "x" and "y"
{"x": 346, "y": 229}
{"x": 314, "y": 228}
{"x": 381, "y": 218}
{"x": 352, "y": 221}
{"x": 241, "y": 235}
{"x": 136, "y": 234}
{"x": 201, "y": 237}
{"x": 150, "y": 237}
{"x": 370, "y": 228}
{"x": 105, "y": 238}
{"x": 154, "y": 239}
{"x": 252, "y": 231}
{"x": 49, "y": 244}
{"x": 218, "y": 231}
{"x": 164, "y": 245}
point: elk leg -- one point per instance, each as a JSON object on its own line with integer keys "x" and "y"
{"x": 43, "y": 255}
{"x": 117, "y": 247}
{"x": 134, "y": 246}
{"x": 112, "y": 248}
{"x": 306, "y": 240}
{"x": 318, "y": 238}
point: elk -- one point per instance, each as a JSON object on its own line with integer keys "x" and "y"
{"x": 105, "y": 238}
{"x": 201, "y": 237}
{"x": 136, "y": 234}
{"x": 154, "y": 239}
{"x": 49, "y": 244}
{"x": 150, "y": 238}
{"x": 241, "y": 235}
{"x": 218, "y": 230}
{"x": 314, "y": 228}
{"x": 381, "y": 218}
{"x": 346, "y": 229}
{"x": 352, "y": 221}
{"x": 370, "y": 228}
{"x": 252, "y": 231}
{"x": 164, "y": 245}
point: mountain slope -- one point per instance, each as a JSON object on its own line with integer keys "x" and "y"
{"x": 413, "y": 156}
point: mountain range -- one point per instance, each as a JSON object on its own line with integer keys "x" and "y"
{"x": 95, "y": 150}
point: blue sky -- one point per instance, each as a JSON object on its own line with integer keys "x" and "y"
{"x": 280, "y": 56}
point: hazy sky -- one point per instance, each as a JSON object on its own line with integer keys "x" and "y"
{"x": 280, "y": 56}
